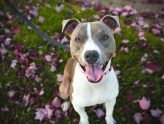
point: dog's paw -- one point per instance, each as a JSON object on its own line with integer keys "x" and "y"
{"x": 65, "y": 106}
{"x": 110, "y": 120}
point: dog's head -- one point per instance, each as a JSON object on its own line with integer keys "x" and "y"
{"x": 92, "y": 44}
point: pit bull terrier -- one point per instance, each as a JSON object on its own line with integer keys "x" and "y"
{"x": 89, "y": 78}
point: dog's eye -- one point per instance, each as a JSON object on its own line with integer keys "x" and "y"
{"x": 77, "y": 39}
{"x": 105, "y": 37}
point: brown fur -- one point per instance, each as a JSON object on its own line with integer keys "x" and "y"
{"x": 65, "y": 88}
{"x": 76, "y": 29}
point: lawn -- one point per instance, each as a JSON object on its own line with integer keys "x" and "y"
{"x": 31, "y": 69}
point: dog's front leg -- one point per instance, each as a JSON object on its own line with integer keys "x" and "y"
{"x": 82, "y": 113}
{"x": 109, "y": 105}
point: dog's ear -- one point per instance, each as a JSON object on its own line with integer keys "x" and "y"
{"x": 69, "y": 25}
{"x": 111, "y": 21}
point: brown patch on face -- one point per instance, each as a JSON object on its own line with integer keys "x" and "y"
{"x": 65, "y": 88}
{"x": 103, "y": 36}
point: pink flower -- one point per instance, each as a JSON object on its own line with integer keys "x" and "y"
{"x": 7, "y": 41}
{"x": 124, "y": 13}
{"x": 118, "y": 9}
{"x": 26, "y": 99}
{"x": 59, "y": 77}
{"x": 49, "y": 111}
{"x": 48, "y": 58}
{"x": 14, "y": 63}
{"x": 56, "y": 102}
{"x": 53, "y": 68}
{"x": 58, "y": 114}
{"x": 64, "y": 40}
{"x": 5, "y": 109}
{"x": 34, "y": 12}
{"x": 125, "y": 49}
{"x": 16, "y": 30}
{"x": 138, "y": 118}
{"x": 144, "y": 103}
{"x": 141, "y": 35}
{"x": 11, "y": 93}
{"x": 99, "y": 113}
{"x": 41, "y": 92}
{"x": 162, "y": 39}
{"x": 133, "y": 24}
{"x": 156, "y": 112}
{"x": 59, "y": 7}
{"x": 37, "y": 78}
{"x": 153, "y": 67}
{"x": 155, "y": 31}
{"x": 117, "y": 30}
{"x": 128, "y": 7}
{"x": 30, "y": 71}
{"x": 143, "y": 59}
{"x": 3, "y": 51}
{"x": 140, "y": 21}
{"x": 41, "y": 114}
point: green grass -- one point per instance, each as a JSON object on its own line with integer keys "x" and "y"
{"x": 129, "y": 65}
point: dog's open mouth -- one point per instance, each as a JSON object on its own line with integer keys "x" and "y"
{"x": 94, "y": 72}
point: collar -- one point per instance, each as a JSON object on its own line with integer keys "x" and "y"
{"x": 110, "y": 67}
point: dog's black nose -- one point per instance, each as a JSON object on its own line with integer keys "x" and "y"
{"x": 91, "y": 56}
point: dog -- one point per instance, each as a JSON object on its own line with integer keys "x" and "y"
{"x": 89, "y": 78}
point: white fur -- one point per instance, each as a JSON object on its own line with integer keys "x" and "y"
{"x": 90, "y": 44}
{"x": 88, "y": 94}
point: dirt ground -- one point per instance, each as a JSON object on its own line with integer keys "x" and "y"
{"x": 139, "y": 5}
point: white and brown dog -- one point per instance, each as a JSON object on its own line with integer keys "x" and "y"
{"x": 89, "y": 78}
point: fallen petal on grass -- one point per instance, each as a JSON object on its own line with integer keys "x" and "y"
{"x": 144, "y": 103}
{"x": 156, "y": 112}
{"x": 56, "y": 102}
{"x": 41, "y": 19}
{"x": 138, "y": 117}
{"x": 40, "y": 114}
{"x": 99, "y": 113}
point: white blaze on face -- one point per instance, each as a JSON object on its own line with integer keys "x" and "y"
{"x": 90, "y": 44}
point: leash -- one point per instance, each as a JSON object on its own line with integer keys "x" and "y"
{"x": 34, "y": 28}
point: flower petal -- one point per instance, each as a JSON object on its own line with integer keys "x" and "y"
{"x": 156, "y": 112}
{"x": 138, "y": 117}
{"x": 144, "y": 103}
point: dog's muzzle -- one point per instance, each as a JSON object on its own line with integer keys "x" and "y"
{"x": 94, "y": 72}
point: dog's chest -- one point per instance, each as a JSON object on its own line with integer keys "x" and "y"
{"x": 88, "y": 94}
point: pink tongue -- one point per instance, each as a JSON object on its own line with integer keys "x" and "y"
{"x": 94, "y": 72}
